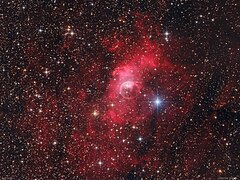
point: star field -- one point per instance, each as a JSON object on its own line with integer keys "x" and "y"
{"x": 120, "y": 89}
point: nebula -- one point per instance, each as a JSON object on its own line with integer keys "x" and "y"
{"x": 128, "y": 114}
{"x": 119, "y": 90}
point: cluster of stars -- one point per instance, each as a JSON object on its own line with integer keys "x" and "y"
{"x": 69, "y": 31}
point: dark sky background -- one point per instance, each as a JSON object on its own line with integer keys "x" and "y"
{"x": 65, "y": 110}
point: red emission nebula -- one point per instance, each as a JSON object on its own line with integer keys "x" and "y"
{"x": 123, "y": 121}
{"x": 120, "y": 89}
{"x": 145, "y": 100}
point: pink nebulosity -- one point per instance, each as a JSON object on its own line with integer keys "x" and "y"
{"x": 128, "y": 93}
{"x": 129, "y": 89}
{"x": 108, "y": 132}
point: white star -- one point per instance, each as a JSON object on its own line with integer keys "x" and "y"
{"x": 54, "y": 142}
{"x": 95, "y": 113}
{"x": 46, "y": 71}
{"x": 100, "y": 163}
{"x": 166, "y": 35}
{"x": 158, "y": 101}
{"x": 140, "y": 138}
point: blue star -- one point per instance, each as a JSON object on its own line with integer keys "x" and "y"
{"x": 158, "y": 101}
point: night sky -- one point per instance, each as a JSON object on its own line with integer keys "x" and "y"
{"x": 112, "y": 89}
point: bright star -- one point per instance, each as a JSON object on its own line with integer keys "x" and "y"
{"x": 158, "y": 101}
{"x": 166, "y": 35}
{"x": 140, "y": 138}
{"x": 46, "y": 71}
{"x": 95, "y": 113}
{"x": 72, "y": 33}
